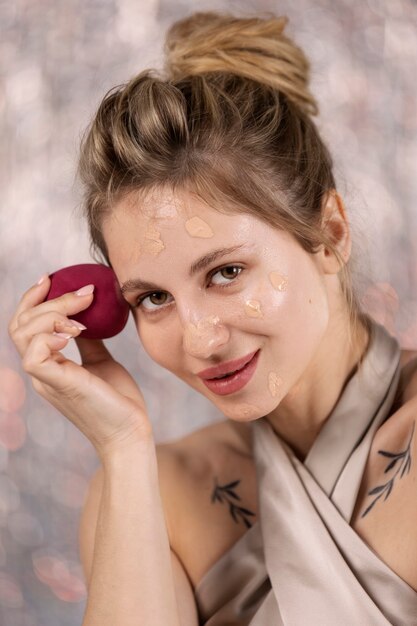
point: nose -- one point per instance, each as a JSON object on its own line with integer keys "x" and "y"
{"x": 205, "y": 337}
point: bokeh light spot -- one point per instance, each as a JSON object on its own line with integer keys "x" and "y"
{"x": 73, "y": 589}
{"x": 12, "y": 431}
{"x": 65, "y": 580}
{"x": 9, "y": 496}
{"x": 12, "y": 390}
{"x": 49, "y": 569}
{"x": 10, "y": 593}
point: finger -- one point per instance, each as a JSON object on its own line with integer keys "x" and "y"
{"x": 41, "y": 360}
{"x": 44, "y": 323}
{"x": 92, "y": 350}
{"x": 99, "y": 361}
{"x": 33, "y": 303}
{"x": 33, "y": 296}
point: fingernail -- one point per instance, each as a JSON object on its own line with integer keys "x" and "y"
{"x": 65, "y": 335}
{"x": 85, "y": 291}
{"x": 42, "y": 279}
{"x": 78, "y": 324}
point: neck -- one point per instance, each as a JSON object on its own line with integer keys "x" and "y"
{"x": 302, "y": 413}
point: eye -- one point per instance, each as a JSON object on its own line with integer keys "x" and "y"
{"x": 157, "y": 297}
{"x": 230, "y": 275}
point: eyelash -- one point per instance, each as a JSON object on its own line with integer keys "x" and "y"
{"x": 140, "y": 300}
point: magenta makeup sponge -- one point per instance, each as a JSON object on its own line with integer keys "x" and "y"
{"x": 108, "y": 313}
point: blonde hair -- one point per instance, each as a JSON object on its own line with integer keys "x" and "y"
{"x": 228, "y": 118}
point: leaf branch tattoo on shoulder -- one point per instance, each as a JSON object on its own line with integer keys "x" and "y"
{"x": 403, "y": 459}
{"x": 226, "y": 494}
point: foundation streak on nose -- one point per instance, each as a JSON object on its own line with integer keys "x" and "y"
{"x": 200, "y": 339}
{"x": 253, "y": 308}
{"x": 279, "y": 281}
{"x": 274, "y": 383}
{"x": 196, "y": 227}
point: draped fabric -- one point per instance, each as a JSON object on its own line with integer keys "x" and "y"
{"x": 301, "y": 563}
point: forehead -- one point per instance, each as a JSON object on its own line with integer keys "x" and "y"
{"x": 152, "y": 228}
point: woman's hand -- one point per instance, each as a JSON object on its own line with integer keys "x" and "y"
{"x": 99, "y": 397}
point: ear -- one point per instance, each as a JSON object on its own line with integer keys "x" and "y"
{"x": 335, "y": 224}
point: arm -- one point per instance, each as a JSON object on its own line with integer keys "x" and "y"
{"x": 133, "y": 569}
{"x": 131, "y": 580}
{"x": 105, "y": 570}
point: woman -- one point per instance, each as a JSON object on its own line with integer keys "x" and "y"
{"x": 211, "y": 195}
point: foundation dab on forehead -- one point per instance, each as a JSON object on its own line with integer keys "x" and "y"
{"x": 279, "y": 281}
{"x": 197, "y": 227}
{"x": 166, "y": 212}
{"x": 274, "y": 383}
{"x": 253, "y": 308}
{"x": 152, "y": 243}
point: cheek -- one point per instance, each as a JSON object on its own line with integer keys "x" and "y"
{"x": 262, "y": 300}
{"x": 284, "y": 301}
{"x": 153, "y": 341}
{"x": 163, "y": 344}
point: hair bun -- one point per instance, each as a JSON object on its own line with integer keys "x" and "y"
{"x": 254, "y": 48}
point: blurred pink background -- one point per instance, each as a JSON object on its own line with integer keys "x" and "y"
{"x": 57, "y": 60}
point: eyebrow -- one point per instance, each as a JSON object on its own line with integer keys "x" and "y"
{"x": 134, "y": 284}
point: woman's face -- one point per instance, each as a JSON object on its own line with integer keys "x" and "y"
{"x": 267, "y": 296}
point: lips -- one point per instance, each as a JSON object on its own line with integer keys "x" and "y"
{"x": 225, "y": 368}
{"x": 233, "y": 383}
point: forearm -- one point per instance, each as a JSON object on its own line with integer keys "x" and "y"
{"x": 131, "y": 580}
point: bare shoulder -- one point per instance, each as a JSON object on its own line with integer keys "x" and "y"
{"x": 208, "y": 488}
{"x": 386, "y": 509}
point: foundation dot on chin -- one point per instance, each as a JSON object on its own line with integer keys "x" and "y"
{"x": 279, "y": 281}
{"x": 248, "y": 409}
{"x": 241, "y": 412}
{"x": 197, "y": 227}
{"x": 274, "y": 383}
{"x": 253, "y": 308}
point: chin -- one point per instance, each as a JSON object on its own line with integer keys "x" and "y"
{"x": 243, "y": 412}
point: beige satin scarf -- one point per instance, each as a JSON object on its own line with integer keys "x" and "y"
{"x": 302, "y": 564}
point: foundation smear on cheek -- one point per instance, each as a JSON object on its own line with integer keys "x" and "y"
{"x": 274, "y": 383}
{"x": 196, "y": 227}
{"x": 279, "y": 281}
{"x": 253, "y": 308}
